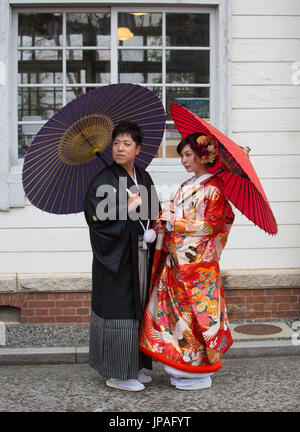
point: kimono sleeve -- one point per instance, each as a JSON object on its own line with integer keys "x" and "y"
{"x": 107, "y": 234}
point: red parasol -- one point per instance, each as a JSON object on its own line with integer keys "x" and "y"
{"x": 241, "y": 184}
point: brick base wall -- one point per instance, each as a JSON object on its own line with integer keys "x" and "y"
{"x": 50, "y": 307}
{"x": 263, "y": 303}
{"x": 74, "y": 308}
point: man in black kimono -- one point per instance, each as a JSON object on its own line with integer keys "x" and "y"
{"x": 122, "y": 261}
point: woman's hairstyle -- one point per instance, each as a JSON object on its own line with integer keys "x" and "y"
{"x": 204, "y": 146}
{"x": 132, "y": 129}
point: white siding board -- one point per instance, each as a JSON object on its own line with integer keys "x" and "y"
{"x": 43, "y": 240}
{"x": 266, "y": 7}
{"x": 284, "y": 213}
{"x": 284, "y": 190}
{"x": 265, "y": 27}
{"x": 81, "y": 262}
{"x": 266, "y": 97}
{"x": 45, "y": 262}
{"x": 31, "y": 217}
{"x": 252, "y": 237}
{"x": 257, "y": 50}
{"x": 77, "y": 240}
{"x": 277, "y": 190}
{"x": 276, "y": 166}
{"x": 265, "y": 120}
{"x": 265, "y": 116}
{"x": 266, "y": 143}
{"x": 270, "y": 73}
{"x": 260, "y": 258}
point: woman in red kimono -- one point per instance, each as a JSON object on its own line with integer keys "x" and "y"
{"x": 185, "y": 324}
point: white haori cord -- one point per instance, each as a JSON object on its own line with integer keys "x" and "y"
{"x": 149, "y": 234}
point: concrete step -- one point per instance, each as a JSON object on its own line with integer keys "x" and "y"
{"x": 69, "y": 355}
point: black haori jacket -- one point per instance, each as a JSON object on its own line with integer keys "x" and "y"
{"x": 115, "y": 278}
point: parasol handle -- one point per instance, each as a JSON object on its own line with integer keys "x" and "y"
{"x": 196, "y": 190}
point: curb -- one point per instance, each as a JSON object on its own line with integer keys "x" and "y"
{"x": 73, "y": 355}
{"x": 266, "y": 348}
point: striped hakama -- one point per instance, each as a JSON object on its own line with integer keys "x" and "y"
{"x": 114, "y": 349}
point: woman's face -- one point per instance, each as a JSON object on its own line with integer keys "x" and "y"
{"x": 189, "y": 159}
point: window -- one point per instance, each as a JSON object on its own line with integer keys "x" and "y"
{"x": 62, "y": 54}
{"x": 170, "y": 53}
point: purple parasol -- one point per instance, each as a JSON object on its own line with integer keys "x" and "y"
{"x": 61, "y": 160}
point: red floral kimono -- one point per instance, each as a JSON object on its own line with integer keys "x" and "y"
{"x": 185, "y": 324}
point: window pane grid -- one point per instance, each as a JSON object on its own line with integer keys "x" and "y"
{"x": 149, "y": 58}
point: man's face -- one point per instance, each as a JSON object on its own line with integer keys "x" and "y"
{"x": 124, "y": 150}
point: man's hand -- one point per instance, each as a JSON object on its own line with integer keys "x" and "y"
{"x": 134, "y": 201}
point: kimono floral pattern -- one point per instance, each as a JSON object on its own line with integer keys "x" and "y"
{"x": 185, "y": 324}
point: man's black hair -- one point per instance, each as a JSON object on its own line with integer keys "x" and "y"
{"x": 132, "y": 129}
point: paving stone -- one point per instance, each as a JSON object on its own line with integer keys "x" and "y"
{"x": 264, "y": 384}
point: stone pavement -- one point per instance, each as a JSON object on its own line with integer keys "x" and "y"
{"x": 242, "y": 385}
{"x": 44, "y": 369}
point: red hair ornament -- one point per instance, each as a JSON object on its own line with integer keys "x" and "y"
{"x": 207, "y": 149}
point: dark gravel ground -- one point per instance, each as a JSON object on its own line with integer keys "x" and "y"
{"x": 243, "y": 385}
{"x": 62, "y": 335}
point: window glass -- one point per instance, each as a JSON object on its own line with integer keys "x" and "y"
{"x": 64, "y": 54}
{"x": 187, "y": 66}
{"x": 142, "y": 30}
{"x": 39, "y": 101}
{"x": 74, "y": 92}
{"x": 195, "y": 99}
{"x": 40, "y": 29}
{"x": 88, "y": 29}
{"x": 140, "y": 66}
{"x": 88, "y": 66}
{"x": 187, "y": 29}
{"x": 172, "y": 139}
{"x": 40, "y": 67}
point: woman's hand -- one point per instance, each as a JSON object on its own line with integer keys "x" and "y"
{"x": 168, "y": 213}
{"x": 169, "y": 206}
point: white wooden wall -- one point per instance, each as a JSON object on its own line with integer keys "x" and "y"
{"x": 265, "y": 116}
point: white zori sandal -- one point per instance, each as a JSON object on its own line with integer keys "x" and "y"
{"x": 188, "y": 381}
{"x": 129, "y": 385}
{"x": 191, "y": 384}
{"x": 144, "y": 379}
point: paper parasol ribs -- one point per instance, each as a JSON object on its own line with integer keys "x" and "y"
{"x": 61, "y": 161}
